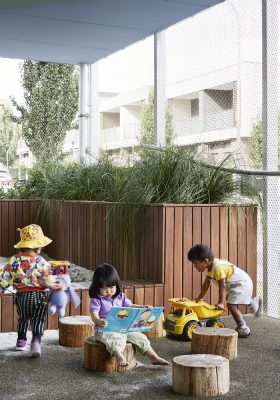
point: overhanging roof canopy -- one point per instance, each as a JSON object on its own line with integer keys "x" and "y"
{"x": 75, "y": 31}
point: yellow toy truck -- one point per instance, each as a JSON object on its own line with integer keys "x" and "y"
{"x": 187, "y": 315}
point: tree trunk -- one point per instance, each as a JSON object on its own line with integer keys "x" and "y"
{"x": 200, "y": 375}
{"x": 220, "y": 341}
{"x": 97, "y": 358}
{"x": 74, "y": 330}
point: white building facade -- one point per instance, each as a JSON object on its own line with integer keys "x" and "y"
{"x": 213, "y": 81}
{"x": 213, "y": 76}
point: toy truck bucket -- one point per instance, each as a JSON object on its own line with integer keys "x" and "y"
{"x": 202, "y": 309}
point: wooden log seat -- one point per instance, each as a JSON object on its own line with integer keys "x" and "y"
{"x": 97, "y": 358}
{"x": 157, "y": 330}
{"x": 200, "y": 375}
{"x": 220, "y": 341}
{"x": 74, "y": 330}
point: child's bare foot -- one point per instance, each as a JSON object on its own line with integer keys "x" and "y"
{"x": 121, "y": 359}
{"x": 155, "y": 359}
{"x": 159, "y": 361}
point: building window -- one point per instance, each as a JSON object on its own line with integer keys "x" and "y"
{"x": 219, "y": 100}
{"x": 218, "y": 106}
{"x": 194, "y": 107}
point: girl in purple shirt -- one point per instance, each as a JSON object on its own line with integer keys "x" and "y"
{"x": 105, "y": 292}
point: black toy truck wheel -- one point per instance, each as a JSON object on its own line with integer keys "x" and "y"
{"x": 189, "y": 328}
{"x": 215, "y": 323}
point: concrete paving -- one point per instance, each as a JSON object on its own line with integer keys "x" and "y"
{"x": 59, "y": 373}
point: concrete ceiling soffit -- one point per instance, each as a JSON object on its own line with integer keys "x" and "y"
{"x": 10, "y": 4}
{"x": 85, "y": 31}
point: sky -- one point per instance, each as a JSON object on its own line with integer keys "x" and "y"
{"x": 10, "y": 80}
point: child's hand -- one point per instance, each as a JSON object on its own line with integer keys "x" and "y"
{"x": 102, "y": 322}
{"x": 148, "y": 306}
{"x": 220, "y": 306}
{"x": 198, "y": 299}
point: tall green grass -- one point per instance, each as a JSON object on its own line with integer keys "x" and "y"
{"x": 172, "y": 175}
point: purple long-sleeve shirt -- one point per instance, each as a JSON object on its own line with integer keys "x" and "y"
{"x": 102, "y": 305}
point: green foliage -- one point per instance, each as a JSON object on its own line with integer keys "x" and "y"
{"x": 51, "y": 104}
{"x": 175, "y": 175}
{"x": 169, "y": 131}
{"x": 9, "y": 134}
{"x": 255, "y": 146}
{"x": 172, "y": 175}
{"x": 148, "y": 123}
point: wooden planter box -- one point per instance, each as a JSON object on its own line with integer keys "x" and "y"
{"x": 157, "y": 267}
{"x": 138, "y": 292}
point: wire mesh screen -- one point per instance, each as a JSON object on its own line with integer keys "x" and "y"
{"x": 269, "y": 249}
{"x": 215, "y": 87}
{"x": 270, "y": 127}
{"x": 214, "y": 78}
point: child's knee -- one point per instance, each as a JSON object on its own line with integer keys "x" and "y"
{"x": 140, "y": 341}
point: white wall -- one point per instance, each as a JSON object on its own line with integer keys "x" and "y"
{"x": 130, "y": 115}
{"x": 110, "y": 120}
{"x": 128, "y": 69}
{"x": 201, "y": 45}
{"x": 251, "y": 97}
{"x": 130, "y": 121}
{"x": 219, "y": 45}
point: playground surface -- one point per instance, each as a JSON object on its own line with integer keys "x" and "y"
{"x": 59, "y": 373}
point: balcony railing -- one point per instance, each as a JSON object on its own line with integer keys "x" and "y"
{"x": 132, "y": 131}
{"x": 117, "y": 134}
{"x": 218, "y": 120}
{"x": 110, "y": 135}
{"x": 184, "y": 125}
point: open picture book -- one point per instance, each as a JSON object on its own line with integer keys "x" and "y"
{"x": 130, "y": 319}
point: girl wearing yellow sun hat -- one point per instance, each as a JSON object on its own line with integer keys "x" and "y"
{"x": 31, "y": 275}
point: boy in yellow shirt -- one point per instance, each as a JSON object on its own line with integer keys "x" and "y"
{"x": 235, "y": 285}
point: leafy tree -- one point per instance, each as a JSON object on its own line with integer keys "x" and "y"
{"x": 51, "y": 104}
{"x": 9, "y": 134}
{"x": 255, "y": 146}
{"x": 148, "y": 123}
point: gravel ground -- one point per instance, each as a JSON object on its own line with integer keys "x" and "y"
{"x": 59, "y": 373}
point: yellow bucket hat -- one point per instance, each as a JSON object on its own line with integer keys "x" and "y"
{"x": 32, "y": 237}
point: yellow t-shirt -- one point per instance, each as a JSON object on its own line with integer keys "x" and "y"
{"x": 220, "y": 269}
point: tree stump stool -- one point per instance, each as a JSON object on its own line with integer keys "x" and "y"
{"x": 157, "y": 331}
{"x": 74, "y": 330}
{"x": 97, "y": 358}
{"x": 220, "y": 341}
{"x": 200, "y": 375}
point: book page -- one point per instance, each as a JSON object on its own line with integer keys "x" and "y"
{"x": 120, "y": 319}
{"x": 130, "y": 319}
{"x": 145, "y": 319}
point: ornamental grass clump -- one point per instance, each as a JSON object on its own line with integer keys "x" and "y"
{"x": 172, "y": 175}
{"x": 176, "y": 176}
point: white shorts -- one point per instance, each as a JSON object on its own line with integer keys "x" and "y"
{"x": 240, "y": 292}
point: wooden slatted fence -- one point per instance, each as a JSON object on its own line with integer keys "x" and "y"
{"x": 82, "y": 234}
